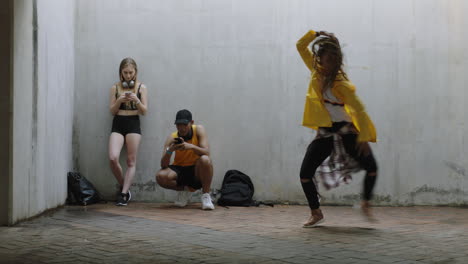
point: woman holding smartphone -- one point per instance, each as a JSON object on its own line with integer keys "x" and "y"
{"x": 128, "y": 100}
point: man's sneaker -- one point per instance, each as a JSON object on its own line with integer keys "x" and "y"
{"x": 183, "y": 197}
{"x": 207, "y": 204}
{"x": 122, "y": 199}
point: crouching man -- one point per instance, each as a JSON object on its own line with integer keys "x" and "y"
{"x": 192, "y": 168}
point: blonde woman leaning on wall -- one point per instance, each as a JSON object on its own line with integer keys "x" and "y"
{"x": 128, "y": 100}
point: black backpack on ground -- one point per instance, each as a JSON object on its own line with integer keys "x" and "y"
{"x": 80, "y": 190}
{"x": 236, "y": 190}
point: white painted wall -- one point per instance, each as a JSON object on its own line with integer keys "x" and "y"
{"x": 234, "y": 65}
{"x": 43, "y": 82}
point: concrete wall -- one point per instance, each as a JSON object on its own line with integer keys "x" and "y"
{"x": 43, "y": 82}
{"x": 6, "y": 23}
{"x": 234, "y": 65}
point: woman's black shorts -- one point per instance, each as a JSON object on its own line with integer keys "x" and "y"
{"x": 126, "y": 124}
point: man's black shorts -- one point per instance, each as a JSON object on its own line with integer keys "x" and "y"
{"x": 186, "y": 176}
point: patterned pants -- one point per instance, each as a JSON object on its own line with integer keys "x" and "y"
{"x": 328, "y": 143}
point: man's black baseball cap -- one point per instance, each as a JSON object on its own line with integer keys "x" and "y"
{"x": 183, "y": 117}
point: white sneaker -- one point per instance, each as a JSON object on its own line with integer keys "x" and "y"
{"x": 183, "y": 197}
{"x": 207, "y": 204}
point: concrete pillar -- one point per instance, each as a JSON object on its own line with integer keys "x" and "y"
{"x": 5, "y": 110}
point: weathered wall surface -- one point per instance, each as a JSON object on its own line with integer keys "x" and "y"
{"x": 235, "y": 66}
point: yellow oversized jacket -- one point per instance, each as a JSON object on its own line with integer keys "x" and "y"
{"x": 315, "y": 113}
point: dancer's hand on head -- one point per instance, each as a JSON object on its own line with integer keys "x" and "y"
{"x": 327, "y": 34}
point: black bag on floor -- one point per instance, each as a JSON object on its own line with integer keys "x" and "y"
{"x": 80, "y": 190}
{"x": 236, "y": 190}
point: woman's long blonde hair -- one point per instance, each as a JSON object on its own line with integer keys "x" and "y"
{"x": 126, "y": 62}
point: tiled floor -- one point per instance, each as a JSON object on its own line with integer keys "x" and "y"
{"x": 160, "y": 233}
